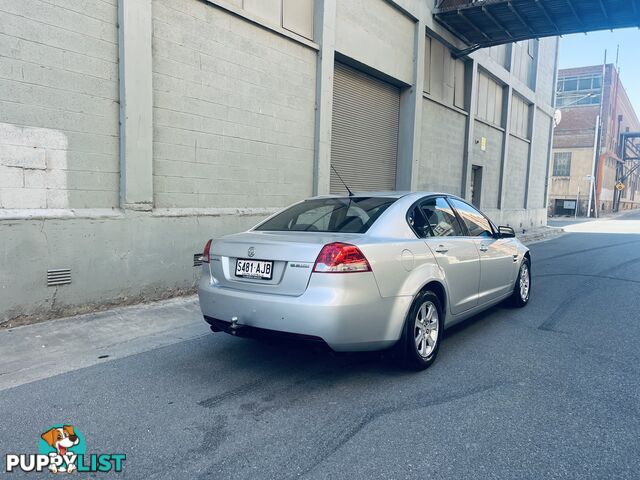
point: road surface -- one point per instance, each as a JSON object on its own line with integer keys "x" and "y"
{"x": 549, "y": 391}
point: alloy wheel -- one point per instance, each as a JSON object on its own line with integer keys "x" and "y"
{"x": 524, "y": 282}
{"x": 426, "y": 329}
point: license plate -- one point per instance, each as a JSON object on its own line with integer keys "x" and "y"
{"x": 261, "y": 269}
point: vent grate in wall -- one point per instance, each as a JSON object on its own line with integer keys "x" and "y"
{"x": 197, "y": 259}
{"x": 58, "y": 276}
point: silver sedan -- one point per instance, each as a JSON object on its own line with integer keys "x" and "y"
{"x": 364, "y": 272}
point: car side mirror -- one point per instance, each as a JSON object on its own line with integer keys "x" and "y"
{"x": 506, "y": 232}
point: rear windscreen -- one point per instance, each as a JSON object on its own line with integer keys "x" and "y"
{"x": 336, "y": 215}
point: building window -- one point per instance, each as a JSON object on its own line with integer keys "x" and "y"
{"x": 579, "y": 90}
{"x": 562, "y": 164}
{"x": 520, "y": 111}
{"x": 489, "y": 100}
{"x": 444, "y": 76}
{"x": 293, "y": 15}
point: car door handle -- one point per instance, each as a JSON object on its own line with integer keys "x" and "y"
{"x": 441, "y": 249}
{"x": 483, "y": 248}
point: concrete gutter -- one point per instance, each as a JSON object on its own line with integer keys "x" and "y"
{"x": 539, "y": 234}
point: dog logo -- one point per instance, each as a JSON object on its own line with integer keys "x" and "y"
{"x": 62, "y": 439}
{"x": 251, "y": 252}
{"x": 62, "y": 449}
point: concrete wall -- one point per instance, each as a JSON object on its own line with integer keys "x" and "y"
{"x": 524, "y": 63}
{"x": 545, "y": 86}
{"x": 58, "y": 104}
{"x": 114, "y": 259}
{"x": 581, "y": 166}
{"x": 490, "y": 160}
{"x": 516, "y": 174}
{"x": 442, "y": 148}
{"x": 233, "y": 110}
{"x": 376, "y": 34}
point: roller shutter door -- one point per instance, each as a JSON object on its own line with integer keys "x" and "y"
{"x": 364, "y": 137}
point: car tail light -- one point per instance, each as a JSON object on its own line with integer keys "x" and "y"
{"x": 341, "y": 258}
{"x": 206, "y": 255}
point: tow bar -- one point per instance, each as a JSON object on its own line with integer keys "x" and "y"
{"x": 234, "y": 327}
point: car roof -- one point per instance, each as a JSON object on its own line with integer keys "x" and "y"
{"x": 384, "y": 194}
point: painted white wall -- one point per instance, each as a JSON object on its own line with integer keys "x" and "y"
{"x": 33, "y": 168}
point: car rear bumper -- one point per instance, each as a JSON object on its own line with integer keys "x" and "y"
{"x": 344, "y": 310}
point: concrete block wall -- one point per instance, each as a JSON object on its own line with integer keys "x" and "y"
{"x": 490, "y": 160}
{"x": 516, "y": 173}
{"x": 233, "y": 108}
{"x": 58, "y": 104}
{"x": 442, "y": 148}
{"x": 545, "y": 85}
{"x": 115, "y": 259}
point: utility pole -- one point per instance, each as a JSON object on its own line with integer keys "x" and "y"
{"x": 594, "y": 168}
{"x": 598, "y": 143}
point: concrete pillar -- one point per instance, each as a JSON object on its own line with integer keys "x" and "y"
{"x": 410, "y": 133}
{"x": 532, "y": 130}
{"x": 506, "y": 119}
{"x": 470, "y": 94}
{"x": 506, "y": 123}
{"x": 325, "y": 34}
{"x": 136, "y": 104}
{"x": 533, "y": 114}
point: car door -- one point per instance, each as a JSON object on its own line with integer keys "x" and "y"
{"x": 455, "y": 253}
{"x": 497, "y": 265}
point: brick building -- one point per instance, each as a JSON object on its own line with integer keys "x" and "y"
{"x": 582, "y": 98}
{"x": 132, "y": 131}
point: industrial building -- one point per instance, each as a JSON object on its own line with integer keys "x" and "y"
{"x": 133, "y": 131}
{"x": 588, "y": 144}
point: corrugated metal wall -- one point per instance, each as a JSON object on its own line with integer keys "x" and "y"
{"x": 364, "y": 138}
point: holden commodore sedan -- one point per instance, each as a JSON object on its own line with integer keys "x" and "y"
{"x": 364, "y": 272}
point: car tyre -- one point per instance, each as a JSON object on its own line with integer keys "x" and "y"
{"x": 423, "y": 332}
{"x": 522, "y": 288}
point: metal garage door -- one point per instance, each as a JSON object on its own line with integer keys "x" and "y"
{"x": 364, "y": 137}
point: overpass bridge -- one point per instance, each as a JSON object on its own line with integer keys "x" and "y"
{"x": 484, "y": 23}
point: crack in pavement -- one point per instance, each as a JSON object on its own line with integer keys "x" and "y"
{"x": 341, "y": 437}
{"x": 244, "y": 389}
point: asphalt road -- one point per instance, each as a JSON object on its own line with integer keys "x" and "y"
{"x": 549, "y": 391}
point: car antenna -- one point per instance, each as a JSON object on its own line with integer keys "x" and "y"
{"x": 343, "y": 182}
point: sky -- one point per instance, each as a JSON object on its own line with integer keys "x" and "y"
{"x": 580, "y": 50}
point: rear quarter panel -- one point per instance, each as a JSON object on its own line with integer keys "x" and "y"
{"x": 402, "y": 267}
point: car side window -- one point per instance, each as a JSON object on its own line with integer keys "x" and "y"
{"x": 476, "y": 223}
{"x": 417, "y": 222}
{"x": 441, "y": 218}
